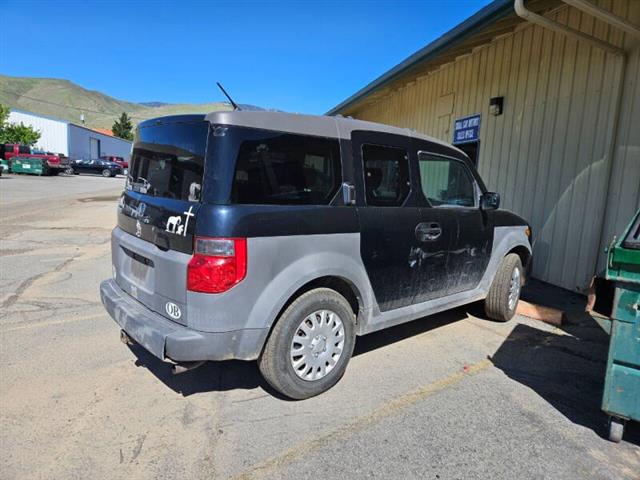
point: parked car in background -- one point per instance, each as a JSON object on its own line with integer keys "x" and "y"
{"x": 101, "y": 167}
{"x": 119, "y": 160}
{"x": 277, "y": 237}
{"x": 8, "y": 150}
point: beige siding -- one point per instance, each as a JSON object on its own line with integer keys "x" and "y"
{"x": 550, "y": 153}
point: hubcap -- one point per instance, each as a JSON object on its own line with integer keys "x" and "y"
{"x": 514, "y": 289}
{"x": 317, "y": 345}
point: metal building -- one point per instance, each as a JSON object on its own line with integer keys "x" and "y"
{"x": 53, "y": 132}
{"x": 71, "y": 140}
{"x": 546, "y": 101}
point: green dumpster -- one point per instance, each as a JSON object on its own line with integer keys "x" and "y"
{"x": 30, "y": 165}
{"x": 621, "y": 398}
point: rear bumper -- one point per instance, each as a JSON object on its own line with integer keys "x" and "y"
{"x": 167, "y": 340}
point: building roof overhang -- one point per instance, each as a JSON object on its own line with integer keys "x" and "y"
{"x": 496, "y": 19}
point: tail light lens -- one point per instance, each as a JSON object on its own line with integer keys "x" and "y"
{"x": 217, "y": 264}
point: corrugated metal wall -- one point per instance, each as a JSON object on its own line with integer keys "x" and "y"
{"x": 624, "y": 187}
{"x": 550, "y": 153}
{"x": 53, "y": 133}
{"x": 80, "y": 143}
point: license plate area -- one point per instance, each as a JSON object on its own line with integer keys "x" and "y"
{"x": 138, "y": 269}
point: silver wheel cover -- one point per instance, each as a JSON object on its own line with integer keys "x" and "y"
{"x": 317, "y": 345}
{"x": 514, "y": 289}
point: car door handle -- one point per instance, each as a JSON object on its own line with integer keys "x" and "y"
{"x": 428, "y": 231}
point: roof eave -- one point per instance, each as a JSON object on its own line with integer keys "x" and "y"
{"x": 481, "y": 19}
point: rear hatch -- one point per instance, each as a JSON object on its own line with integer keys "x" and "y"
{"x": 157, "y": 213}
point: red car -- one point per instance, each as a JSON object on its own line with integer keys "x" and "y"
{"x": 119, "y": 160}
{"x": 9, "y": 150}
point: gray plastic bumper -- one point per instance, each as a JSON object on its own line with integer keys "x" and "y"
{"x": 168, "y": 340}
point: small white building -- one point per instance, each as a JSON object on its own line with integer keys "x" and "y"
{"x": 71, "y": 140}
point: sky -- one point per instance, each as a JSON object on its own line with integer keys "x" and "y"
{"x": 304, "y": 57}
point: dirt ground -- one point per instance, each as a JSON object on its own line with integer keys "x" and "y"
{"x": 452, "y": 396}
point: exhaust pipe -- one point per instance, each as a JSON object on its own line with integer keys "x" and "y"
{"x": 179, "y": 368}
{"x": 176, "y": 368}
{"x": 126, "y": 339}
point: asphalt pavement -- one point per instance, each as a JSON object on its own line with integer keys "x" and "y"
{"x": 451, "y": 396}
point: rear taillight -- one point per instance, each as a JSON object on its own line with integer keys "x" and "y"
{"x": 217, "y": 264}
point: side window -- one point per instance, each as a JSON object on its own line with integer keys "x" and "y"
{"x": 386, "y": 175}
{"x": 287, "y": 169}
{"x": 446, "y": 182}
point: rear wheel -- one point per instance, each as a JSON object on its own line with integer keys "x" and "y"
{"x": 310, "y": 345}
{"x": 106, "y": 173}
{"x": 504, "y": 294}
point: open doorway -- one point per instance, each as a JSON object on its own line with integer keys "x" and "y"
{"x": 471, "y": 149}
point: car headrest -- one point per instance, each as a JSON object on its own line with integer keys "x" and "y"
{"x": 374, "y": 178}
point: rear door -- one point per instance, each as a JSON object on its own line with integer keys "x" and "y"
{"x": 157, "y": 214}
{"x": 395, "y": 251}
{"x": 93, "y": 166}
{"x": 83, "y": 166}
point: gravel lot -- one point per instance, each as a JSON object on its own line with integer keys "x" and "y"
{"x": 452, "y": 396}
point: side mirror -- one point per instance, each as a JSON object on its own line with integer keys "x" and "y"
{"x": 489, "y": 201}
{"x": 348, "y": 193}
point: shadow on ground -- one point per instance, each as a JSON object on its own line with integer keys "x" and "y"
{"x": 567, "y": 369}
{"x": 234, "y": 374}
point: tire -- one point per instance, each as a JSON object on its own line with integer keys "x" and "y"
{"x": 616, "y": 429}
{"x": 106, "y": 173}
{"x": 293, "y": 329}
{"x": 499, "y": 304}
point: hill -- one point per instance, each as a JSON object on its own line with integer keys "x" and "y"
{"x": 64, "y": 99}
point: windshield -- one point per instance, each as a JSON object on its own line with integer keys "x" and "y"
{"x": 168, "y": 160}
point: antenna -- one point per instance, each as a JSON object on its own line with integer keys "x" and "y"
{"x": 235, "y": 105}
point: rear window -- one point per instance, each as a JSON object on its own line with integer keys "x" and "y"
{"x": 168, "y": 160}
{"x": 283, "y": 168}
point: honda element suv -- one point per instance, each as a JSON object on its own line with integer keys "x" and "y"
{"x": 280, "y": 238}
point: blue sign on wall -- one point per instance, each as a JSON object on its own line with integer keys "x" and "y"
{"x": 467, "y": 129}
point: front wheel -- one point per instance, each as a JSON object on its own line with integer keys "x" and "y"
{"x": 310, "y": 345}
{"x": 504, "y": 294}
{"x": 106, "y": 173}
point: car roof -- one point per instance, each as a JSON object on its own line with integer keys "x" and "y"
{"x": 319, "y": 125}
